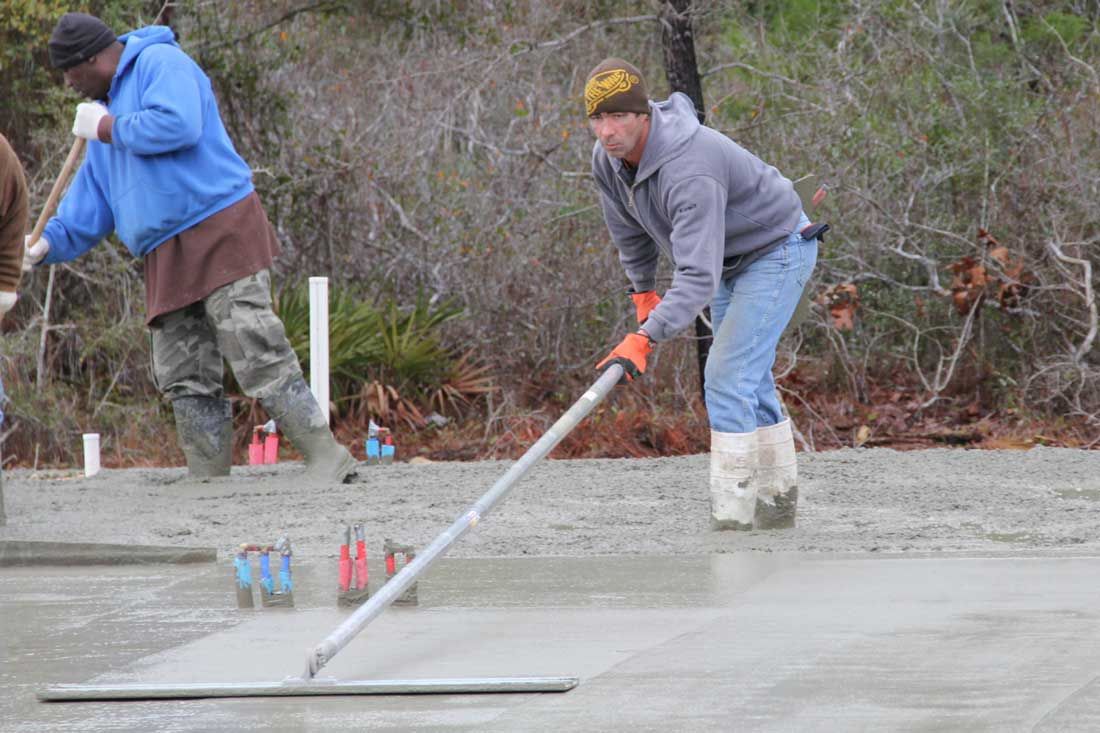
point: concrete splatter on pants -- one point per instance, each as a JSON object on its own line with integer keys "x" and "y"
{"x": 235, "y": 322}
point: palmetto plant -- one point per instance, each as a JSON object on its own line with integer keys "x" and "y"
{"x": 465, "y": 381}
{"x": 387, "y": 362}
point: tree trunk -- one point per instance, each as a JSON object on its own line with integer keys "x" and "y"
{"x": 682, "y": 70}
{"x": 678, "y": 43}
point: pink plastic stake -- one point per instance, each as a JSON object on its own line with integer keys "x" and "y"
{"x": 345, "y": 561}
{"x": 255, "y": 450}
{"x": 360, "y": 558}
{"x": 271, "y": 448}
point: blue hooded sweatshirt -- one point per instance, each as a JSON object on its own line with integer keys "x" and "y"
{"x": 170, "y": 164}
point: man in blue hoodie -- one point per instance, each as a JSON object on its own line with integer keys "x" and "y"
{"x": 735, "y": 232}
{"x": 161, "y": 172}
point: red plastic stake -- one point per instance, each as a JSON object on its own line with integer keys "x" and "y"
{"x": 256, "y": 449}
{"x": 360, "y": 558}
{"x": 345, "y": 561}
{"x": 271, "y": 448}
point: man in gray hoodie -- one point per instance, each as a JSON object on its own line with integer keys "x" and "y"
{"x": 735, "y": 232}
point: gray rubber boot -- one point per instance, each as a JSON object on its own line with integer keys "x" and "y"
{"x": 299, "y": 417}
{"x": 204, "y": 427}
{"x": 776, "y": 478}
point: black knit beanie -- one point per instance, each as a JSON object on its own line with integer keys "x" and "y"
{"x": 615, "y": 86}
{"x": 76, "y": 38}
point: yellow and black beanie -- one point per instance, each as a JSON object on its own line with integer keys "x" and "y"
{"x": 615, "y": 86}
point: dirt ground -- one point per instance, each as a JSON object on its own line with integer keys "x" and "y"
{"x": 853, "y": 500}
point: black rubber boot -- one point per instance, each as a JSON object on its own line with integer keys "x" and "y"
{"x": 204, "y": 427}
{"x": 298, "y": 416}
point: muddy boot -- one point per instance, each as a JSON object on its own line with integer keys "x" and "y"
{"x": 732, "y": 491}
{"x": 298, "y": 416}
{"x": 204, "y": 427}
{"x": 776, "y": 478}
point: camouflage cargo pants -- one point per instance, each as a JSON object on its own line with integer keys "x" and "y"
{"x": 235, "y": 322}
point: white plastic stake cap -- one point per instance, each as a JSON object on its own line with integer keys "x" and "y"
{"x": 91, "y": 454}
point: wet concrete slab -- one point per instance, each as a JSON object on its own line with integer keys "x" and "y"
{"x": 725, "y": 642}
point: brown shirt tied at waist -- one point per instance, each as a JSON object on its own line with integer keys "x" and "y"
{"x": 236, "y": 242}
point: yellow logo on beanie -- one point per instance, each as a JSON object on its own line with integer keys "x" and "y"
{"x": 605, "y": 85}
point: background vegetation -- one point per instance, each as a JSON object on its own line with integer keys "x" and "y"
{"x": 432, "y": 159}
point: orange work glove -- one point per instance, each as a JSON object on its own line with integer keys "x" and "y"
{"x": 644, "y": 303}
{"x": 631, "y": 353}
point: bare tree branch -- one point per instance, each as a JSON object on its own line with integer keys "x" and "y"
{"x": 572, "y": 35}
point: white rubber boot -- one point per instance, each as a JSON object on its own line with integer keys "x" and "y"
{"x": 732, "y": 490}
{"x": 776, "y": 477}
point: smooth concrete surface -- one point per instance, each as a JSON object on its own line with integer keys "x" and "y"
{"x": 725, "y": 642}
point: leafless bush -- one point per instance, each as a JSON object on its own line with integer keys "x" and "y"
{"x": 440, "y": 149}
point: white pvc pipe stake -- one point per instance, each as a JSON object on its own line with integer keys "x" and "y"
{"x": 91, "y": 454}
{"x": 318, "y": 341}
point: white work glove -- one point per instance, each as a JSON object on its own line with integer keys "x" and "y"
{"x": 7, "y": 302}
{"x": 34, "y": 253}
{"x": 88, "y": 115}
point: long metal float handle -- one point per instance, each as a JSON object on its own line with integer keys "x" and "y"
{"x": 345, "y": 632}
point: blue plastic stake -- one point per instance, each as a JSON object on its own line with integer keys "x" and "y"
{"x": 244, "y": 580}
{"x": 284, "y": 574}
{"x": 266, "y": 581}
{"x": 244, "y": 570}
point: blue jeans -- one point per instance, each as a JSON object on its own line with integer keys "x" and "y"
{"x": 749, "y": 312}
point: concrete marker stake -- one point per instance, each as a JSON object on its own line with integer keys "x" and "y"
{"x": 243, "y": 575}
{"x": 91, "y": 454}
{"x": 318, "y": 342}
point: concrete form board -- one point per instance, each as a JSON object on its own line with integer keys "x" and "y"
{"x": 32, "y": 553}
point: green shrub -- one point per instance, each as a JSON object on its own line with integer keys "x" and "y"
{"x": 398, "y": 348}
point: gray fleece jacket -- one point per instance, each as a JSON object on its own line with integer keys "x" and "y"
{"x": 698, "y": 197}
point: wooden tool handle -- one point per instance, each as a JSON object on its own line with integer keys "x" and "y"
{"x": 58, "y": 186}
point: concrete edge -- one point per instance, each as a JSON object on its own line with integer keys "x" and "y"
{"x": 23, "y": 553}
